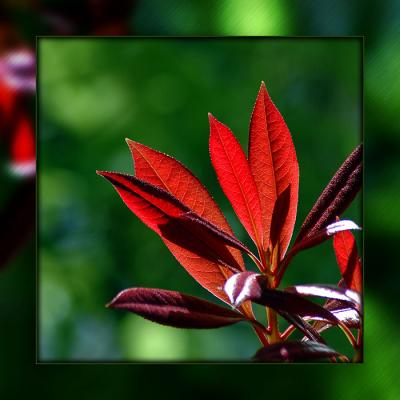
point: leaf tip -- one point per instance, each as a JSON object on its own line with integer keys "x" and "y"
{"x": 110, "y": 304}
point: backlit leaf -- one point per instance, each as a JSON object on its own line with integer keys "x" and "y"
{"x": 235, "y": 178}
{"x": 274, "y": 165}
{"x": 348, "y": 259}
{"x": 161, "y": 211}
{"x": 165, "y": 172}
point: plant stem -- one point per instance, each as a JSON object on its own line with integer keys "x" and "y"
{"x": 260, "y": 335}
{"x": 358, "y": 354}
{"x": 260, "y": 265}
{"x": 274, "y": 336}
{"x": 288, "y": 332}
{"x": 349, "y": 335}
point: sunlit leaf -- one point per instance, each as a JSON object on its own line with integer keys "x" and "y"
{"x": 274, "y": 165}
{"x": 235, "y": 178}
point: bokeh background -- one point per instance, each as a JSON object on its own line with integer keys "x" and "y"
{"x": 377, "y": 377}
{"x": 95, "y": 92}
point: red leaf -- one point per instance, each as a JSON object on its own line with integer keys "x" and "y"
{"x": 274, "y": 165}
{"x": 235, "y": 178}
{"x": 174, "y": 308}
{"x": 294, "y": 351}
{"x": 169, "y": 174}
{"x": 161, "y": 211}
{"x": 348, "y": 260}
{"x": 336, "y": 197}
{"x": 152, "y": 205}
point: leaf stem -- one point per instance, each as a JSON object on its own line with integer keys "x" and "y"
{"x": 290, "y": 329}
{"x": 260, "y": 265}
{"x": 274, "y": 335}
{"x": 348, "y": 334}
{"x": 260, "y": 334}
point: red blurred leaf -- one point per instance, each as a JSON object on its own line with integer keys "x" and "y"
{"x": 336, "y": 197}
{"x": 274, "y": 165}
{"x": 294, "y": 351}
{"x": 174, "y": 308}
{"x": 348, "y": 260}
{"x": 252, "y": 286}
{"x": 22, "y": 147}
{"x": 169, "y": 174}
{"x": 162, "y": 212}
{"x": 235, "y": 178}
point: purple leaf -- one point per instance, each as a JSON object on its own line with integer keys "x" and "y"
{"x": 251, "y": 286}
{"x": 336, "y": 197}
{"x": 341, "y": 310}
{"x": 175, "y": 309}
{"x": 294, "y": 351}
{"x": 314, "y": 239}
{"x": 310, "y": 332}
{"x": 328, "y": 292}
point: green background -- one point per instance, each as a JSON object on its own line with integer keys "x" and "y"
{"x": 95, "y": 92}
{"x": 376, "y": 378}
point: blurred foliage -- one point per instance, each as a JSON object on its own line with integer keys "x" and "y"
{"x": 158, "y": 92}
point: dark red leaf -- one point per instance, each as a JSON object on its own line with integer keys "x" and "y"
{"x": 341, "y": 310}
{"x": 157, "y": 208}
{"x": 294, "y": 351}
{"x": 251, "y": 286}
{"x": 235, "y": 178}
{"x": 336, "y": 197}
{"x": 274, "y": 165}
{"x": 192, "y": 235}
{"x": 328, "y": 292}
{"x": 174, "y": 308}
{"x": 209, "y": 230}
{"x": 169, "y": 174}
{"x": 279, "y": 216}
{"x": 313, "y": 240}
{"x": 349, "y": 316}
{"x": 348, "y": 260}
{"x": 303, "y": 326}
